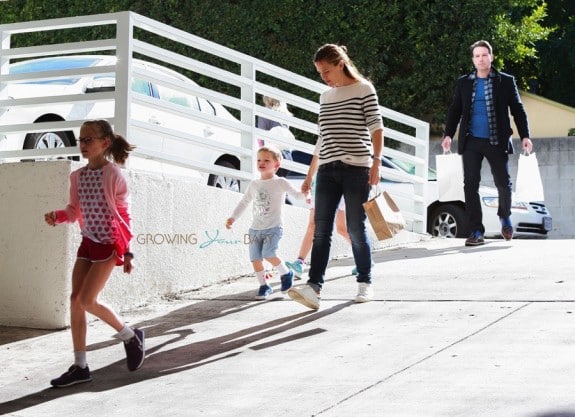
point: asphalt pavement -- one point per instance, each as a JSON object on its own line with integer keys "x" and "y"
{"x": 453, "y": 331}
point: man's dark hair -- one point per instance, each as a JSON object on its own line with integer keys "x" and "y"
{"x": 481, "y": 43}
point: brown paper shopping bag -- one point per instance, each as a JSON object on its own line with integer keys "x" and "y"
{"x": 384, "y": 216}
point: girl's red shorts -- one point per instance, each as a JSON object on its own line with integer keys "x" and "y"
{"x": 95, "y": 252}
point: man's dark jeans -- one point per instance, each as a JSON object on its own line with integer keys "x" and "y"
{"x": 475, "y": 150}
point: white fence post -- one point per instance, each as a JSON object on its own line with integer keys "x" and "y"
{"x": 248, "y": 118}
{"x": 123, "y": 92}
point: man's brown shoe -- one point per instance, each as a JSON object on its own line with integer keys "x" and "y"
{"x": 475, "y": 239}
{"x": 507, "y": 232}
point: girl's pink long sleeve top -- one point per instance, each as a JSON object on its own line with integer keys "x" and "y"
{"x": 117, "y": 197}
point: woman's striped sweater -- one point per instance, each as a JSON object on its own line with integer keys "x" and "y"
{"x": 348, "y": 116}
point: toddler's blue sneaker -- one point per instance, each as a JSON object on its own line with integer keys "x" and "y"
{"x": 264, "y": 292}
{"x": 287, "y": 281}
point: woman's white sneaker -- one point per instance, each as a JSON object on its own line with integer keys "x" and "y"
{"x": 305, "y": 295}
{"x": 364, "y": 293}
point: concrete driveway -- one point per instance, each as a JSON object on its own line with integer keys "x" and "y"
{"x": 454, "y": 331}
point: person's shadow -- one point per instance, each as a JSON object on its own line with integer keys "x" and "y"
{"x": 161, "y": 362}
{"x": 401, "y": 253}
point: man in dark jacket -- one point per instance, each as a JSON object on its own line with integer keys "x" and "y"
{"x": 480, "y": 106}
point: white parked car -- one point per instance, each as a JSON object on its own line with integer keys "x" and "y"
{"x": 530, "y": 219}
{"x": 447, "y": 219}
{"x": 178, "y": 116}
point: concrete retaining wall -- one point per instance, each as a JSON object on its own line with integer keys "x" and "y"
{"x": 180, "y": 242}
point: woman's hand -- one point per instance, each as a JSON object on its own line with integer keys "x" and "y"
{"x": 374, "y": 176}
{"x": 306, "y": 186}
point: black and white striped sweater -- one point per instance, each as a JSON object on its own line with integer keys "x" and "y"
{"x": 347, "y": 117}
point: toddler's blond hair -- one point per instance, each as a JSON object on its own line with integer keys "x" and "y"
{"x": 276, "y": 153}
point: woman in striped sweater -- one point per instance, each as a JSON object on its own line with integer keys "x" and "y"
{"x": 348, "y": 151}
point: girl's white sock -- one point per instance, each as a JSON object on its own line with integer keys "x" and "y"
{"x": 125, "y": 334}
{"x": 80, "y": 359}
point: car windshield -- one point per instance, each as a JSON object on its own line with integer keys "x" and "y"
{"x": 53, "y": 64}
{"x": 410, "y": 168}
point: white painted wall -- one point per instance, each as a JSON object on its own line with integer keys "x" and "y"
{"x": 36, "y": 260}
{"x": 33, "y": 256}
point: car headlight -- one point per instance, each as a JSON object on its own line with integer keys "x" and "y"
{"x": 493, "y": 202}
{"x": 519, "y": 205}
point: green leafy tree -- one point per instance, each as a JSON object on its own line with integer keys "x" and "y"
{"x": 554, "y": 78}
{"x": 434, "y": 48}
{"x": 413, "y": 51}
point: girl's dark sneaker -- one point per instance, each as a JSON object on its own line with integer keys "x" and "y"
{"x": 75, "y": 375}
{"x": 135, "y": 350}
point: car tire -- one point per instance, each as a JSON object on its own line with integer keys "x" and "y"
{"x": 447, "y": 220}
{"x": 222, "y": 182}
{"x": 47, "y": 140}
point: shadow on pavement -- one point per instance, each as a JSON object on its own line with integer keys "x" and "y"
{"x": 401, "y": 253}
{"x": 15, "y": 334}
{"x": 556, "y": 414}
{"x": 161, "y": 362}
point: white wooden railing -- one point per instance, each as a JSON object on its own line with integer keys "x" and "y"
{"x": 132, "y": 40}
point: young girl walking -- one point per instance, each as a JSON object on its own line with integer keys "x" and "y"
{"x": 99, "y": 201}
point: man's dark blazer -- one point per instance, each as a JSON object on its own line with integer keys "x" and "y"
{"x": 506, "y": 98}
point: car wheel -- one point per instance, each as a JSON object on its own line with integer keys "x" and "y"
{"x": 222, "y": 182}
{"x": 47, "y": 140}
{"x": 447, "y": 221}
